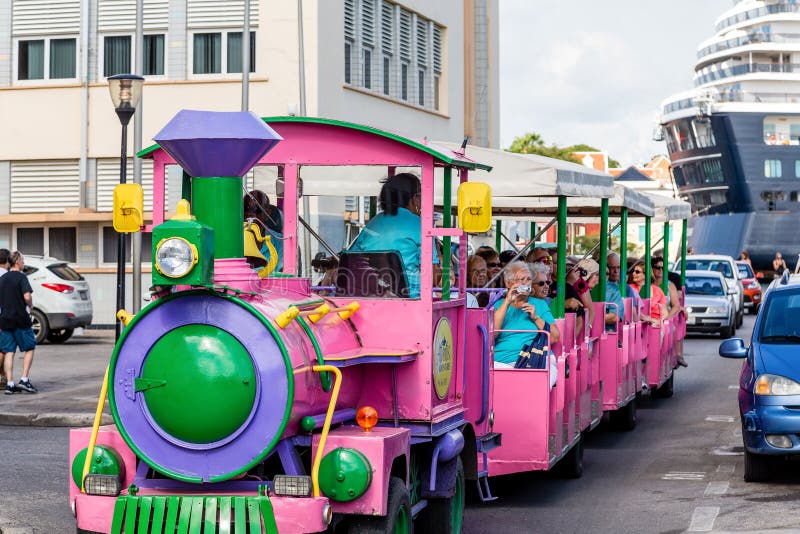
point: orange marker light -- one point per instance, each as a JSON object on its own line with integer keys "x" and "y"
{"x": 367, "y": 418}
{"x": 762, "y": 386}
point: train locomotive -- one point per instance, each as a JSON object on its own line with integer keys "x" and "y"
{"x": 244, "y": 402}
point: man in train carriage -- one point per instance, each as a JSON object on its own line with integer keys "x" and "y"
{"x": 613, "y": 313}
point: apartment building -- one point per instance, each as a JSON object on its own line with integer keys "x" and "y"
{"x": 417, "y": 67}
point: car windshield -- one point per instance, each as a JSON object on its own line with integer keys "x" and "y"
{"x": 781, "y": 318}
{"x": 704, "y": 285}
{"x": 65, "y": 272}
{"x": 745, "y": 271}
{"x": 710, "y": 265}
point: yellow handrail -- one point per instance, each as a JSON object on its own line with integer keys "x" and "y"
{"x": 95, "y": 429}
{"x": 327, "y": 425}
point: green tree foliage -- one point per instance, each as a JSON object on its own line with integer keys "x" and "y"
{"x": 533, "y": 143}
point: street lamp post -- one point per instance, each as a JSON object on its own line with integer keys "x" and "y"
{"x": 125, "y": 91}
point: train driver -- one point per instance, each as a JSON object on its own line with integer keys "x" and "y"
{"x": 398, "y": 226}
{"x": 257, "y": 206}
{"x": 524, "y": 308}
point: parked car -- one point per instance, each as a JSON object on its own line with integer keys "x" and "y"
{"x": 725, "y": 265}
{"x": 709, "y": 303}
{"x": 769, "y": 384}
{"x": 61, "y": 299}
{"x": 752, "y": 287}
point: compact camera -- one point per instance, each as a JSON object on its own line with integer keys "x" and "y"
{"x": 523, "y": 289}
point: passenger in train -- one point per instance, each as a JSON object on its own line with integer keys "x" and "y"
{"x": 493, "y": 265}
{"x": 472, "y": 302}
{"x": 505, "y": 257}
{"x": 397, "y": 226}
{"x": 613, "y": 314}
{"x": 673, "y": 302}
{"x": 658, "y": 300}
{"x": 576, "y": 294}
{"x": 477, "y": 276}
{"x": 256, "y": 205}
{"x": 523, "y": 311}
{"x": 539, "y": 255}
{"x": 523, "y": 308}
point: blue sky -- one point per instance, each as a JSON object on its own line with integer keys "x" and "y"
{"x": 595, "y": 72}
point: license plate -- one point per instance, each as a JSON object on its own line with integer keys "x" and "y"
{"x": 84, "y": 295}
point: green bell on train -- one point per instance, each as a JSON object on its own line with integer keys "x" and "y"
{"x": 183, "y": 250}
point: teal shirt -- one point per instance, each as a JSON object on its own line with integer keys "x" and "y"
{"x": 508, "y": 344}
{"x": 401, "y": 232}
{"x": 614, "y": 296}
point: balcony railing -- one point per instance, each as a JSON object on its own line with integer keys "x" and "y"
{"x": 750, "y": 68}
{"x": 753, "y": 38}
{"x": 736, "y": 96}
{"x": 758, "y": 13}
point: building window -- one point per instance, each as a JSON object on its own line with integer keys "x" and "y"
{"x": 235, "y": 52}
{"x": 436, "y": 93}
{"x": 387, "y": 77}
{"x": 712, "y": 172}
{"x": 772, "y": 168}
{"x": 703, "y": 133}
{"x": 153, "y": 55}
{"x": 348, "y": 54}
{"x": 797, "y": 168}
{"x": 30, "y": 63}
{"x": 782, "y": 130}
{"x": 116, "y": 55}
{"x": 404, "y": 81}
{"x": 110, "y": 246}
{"x": 41, "y": 59}
{"x": 207, "y": 53}
{"x": 421, "y": 87}
{"x": 367, "y": 78}
{"x": 57, "y": 242}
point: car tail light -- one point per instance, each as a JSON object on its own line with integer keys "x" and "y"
{"x": 61, "y": 288}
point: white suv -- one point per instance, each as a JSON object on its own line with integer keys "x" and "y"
{"x": 61, "y": 300}
{"x": 726, "y": 266}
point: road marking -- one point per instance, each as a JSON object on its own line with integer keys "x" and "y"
{"x": 726, "y": 468}
{"x": 703, "y": 519}
{"x": 736, "y": 386}
{"x": 716, "y": 488}
{"x": 720, "y": 418}
{"x": 728, "y": 450}
{"x": 684, "y": 475}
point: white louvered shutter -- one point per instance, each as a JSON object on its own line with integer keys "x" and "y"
{"x": 45, "y": 17}
{"x": 405, "y": 35}
{"x": 437, "y": 49}
{"x": 220, "y": 14}
{"x": 349, "y": 20}
{"x": 44, "y": 186}
{"x": 368, "y": 22}
{"x": 108, "y": 178}
{"x": 120, "y": 15}
{"x": 422, "y": 42}
{"x": 387, "y": 28}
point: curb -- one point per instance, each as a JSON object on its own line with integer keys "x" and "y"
{"x": 52, "y": 419}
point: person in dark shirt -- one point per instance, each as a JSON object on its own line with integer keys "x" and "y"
{"x": 16, "y": 304}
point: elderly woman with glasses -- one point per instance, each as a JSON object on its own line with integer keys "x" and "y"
{"x": 493, "y": 265}
{"x": 658, "y": 301}
{"x": 523, "y": 308}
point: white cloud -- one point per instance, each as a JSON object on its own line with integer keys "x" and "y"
{"x": 596, "y": 72}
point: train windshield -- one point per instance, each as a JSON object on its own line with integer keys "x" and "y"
{"x": 704, "y": 285}
{"x": 781, "y": 322}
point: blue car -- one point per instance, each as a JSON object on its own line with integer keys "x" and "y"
{"x": 769, "y": 385}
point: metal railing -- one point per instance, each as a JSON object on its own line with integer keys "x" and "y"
{"x": 744, "y": 40}
{"x": 752, "y": 14}
{"x": 749, "y": 68}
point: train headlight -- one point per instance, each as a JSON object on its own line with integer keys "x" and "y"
{"x": 175, "y": 257}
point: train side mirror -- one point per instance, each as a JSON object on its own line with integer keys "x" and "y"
{"x": 474, "y": 207}
{"x": 128, "y": 208}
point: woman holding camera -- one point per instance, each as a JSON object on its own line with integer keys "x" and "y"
{"x": 524, "y": 308}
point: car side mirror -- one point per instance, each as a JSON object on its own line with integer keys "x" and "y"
{"x": 733, "y": 348}
{"x": 759, "y": 275}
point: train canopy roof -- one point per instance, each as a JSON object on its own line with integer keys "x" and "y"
{"x": 670, "y": 209}
{"x": 529, "y": 175}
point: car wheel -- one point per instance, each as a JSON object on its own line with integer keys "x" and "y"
{"x": 756, "y": 467}
{"x": 755, "y": 308}
{"x": 60, "y": 336}
{"x": 740, "y": 318}
{"x": 40, "y": 327}
{"x": 728, "y": 331}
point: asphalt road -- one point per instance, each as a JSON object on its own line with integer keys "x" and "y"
{"x": 679, "y": 470}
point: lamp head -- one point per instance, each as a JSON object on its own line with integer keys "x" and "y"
{"x": 125, "y": 89}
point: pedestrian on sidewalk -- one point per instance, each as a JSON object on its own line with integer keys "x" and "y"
{"x": 16, "y": 304}
{"x": 4, "y": 254}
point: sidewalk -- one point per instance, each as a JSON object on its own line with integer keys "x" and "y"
{"x": 68, "y": 377}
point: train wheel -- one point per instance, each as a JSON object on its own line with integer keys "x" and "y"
{"x": 571, "y": 465}
{"x": 665, "y": 391}
{"x": 756, "y": 467}
{"x": 445, "y": 516}
{"x": 625, "y": 417}
{"x": 398, "y": 514}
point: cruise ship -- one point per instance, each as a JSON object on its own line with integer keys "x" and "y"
{"x": 734, "y": 140}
